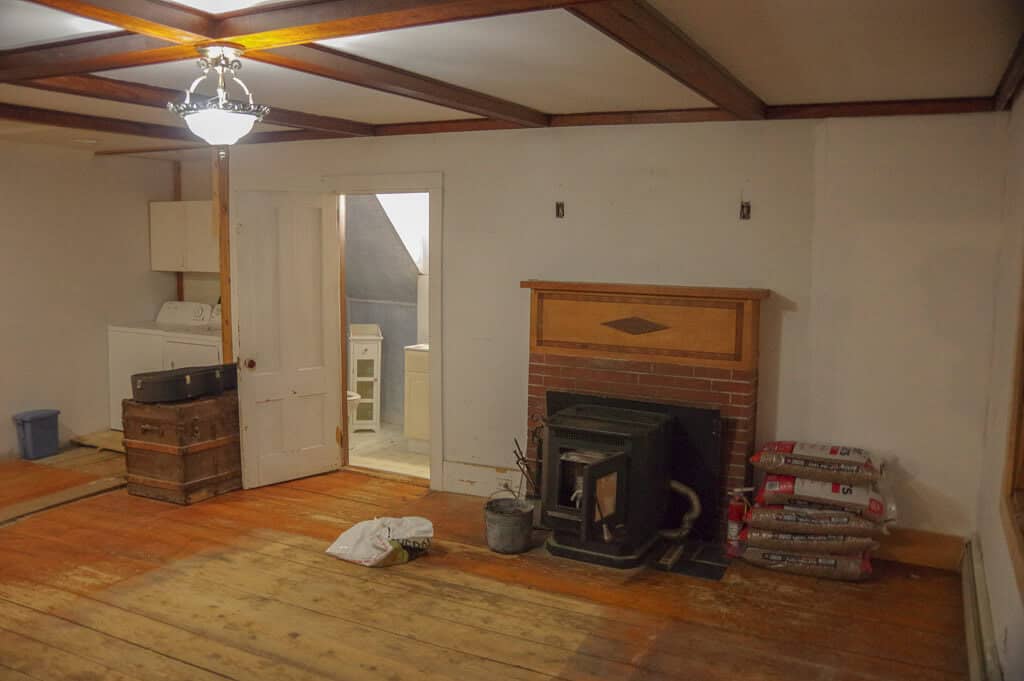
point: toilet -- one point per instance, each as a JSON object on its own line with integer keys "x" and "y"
{"x": 352, "y": 402}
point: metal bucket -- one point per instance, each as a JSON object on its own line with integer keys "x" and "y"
{"x": 509, "y": 525}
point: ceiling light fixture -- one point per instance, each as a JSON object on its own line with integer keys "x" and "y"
{"x": 217, "y": 119}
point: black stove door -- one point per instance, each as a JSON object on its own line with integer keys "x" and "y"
{"x": 604, "y": 499}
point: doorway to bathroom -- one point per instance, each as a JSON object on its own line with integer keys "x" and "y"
{"x": 386, "y": 266}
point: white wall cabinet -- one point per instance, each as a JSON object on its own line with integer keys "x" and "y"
{"x": 183, "y": 237}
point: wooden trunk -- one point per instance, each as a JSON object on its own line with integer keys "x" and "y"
{"x": 182, "y": 423}
{"x": 183, "y": 452}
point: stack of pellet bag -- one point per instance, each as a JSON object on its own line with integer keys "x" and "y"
{"x": 818, "y": 511}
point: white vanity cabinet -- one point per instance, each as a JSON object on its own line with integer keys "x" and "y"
{"x": 417, "y": 394}
{"x": 183, "y": 237}
{"x": 364, "y": 362}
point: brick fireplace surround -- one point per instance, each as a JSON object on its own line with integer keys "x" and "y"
{"x": 673, "y": 345}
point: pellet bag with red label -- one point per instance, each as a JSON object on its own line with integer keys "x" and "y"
{"x": 792, "y": 491}
{"x": 853, "y": 568}
{"x": 806, "y": 543}
{"x": 811, "y": 521}
{"x": 850, "y": 470}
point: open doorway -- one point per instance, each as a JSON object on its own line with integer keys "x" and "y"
{"x": 386, "y": 271}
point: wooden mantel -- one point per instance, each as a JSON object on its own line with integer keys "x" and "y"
{"x": 690, "y": 325}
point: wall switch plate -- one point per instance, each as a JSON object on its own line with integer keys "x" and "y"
{"x": 744, "y": 210}
{"x": 559, "y": 209}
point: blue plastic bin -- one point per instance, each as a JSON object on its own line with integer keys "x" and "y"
{"x": 37, "y": 433}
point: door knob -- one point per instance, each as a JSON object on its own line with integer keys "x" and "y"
{"x": 250, "y": 364}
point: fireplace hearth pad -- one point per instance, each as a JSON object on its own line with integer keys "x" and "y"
{"x": 705, "y": 560}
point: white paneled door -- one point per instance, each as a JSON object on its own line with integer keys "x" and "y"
{"x": 286, "y": 287}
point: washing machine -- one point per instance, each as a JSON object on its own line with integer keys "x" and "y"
{"x": 183, "y": 334}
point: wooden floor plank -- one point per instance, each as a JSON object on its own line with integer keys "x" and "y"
{"x": 823, "y": 618}
{"x": 8, "y": 674}
{"x": 59, "y": 498}
{"x": 238, "y": 587}
{"x": 42, "y": 661}
{"x": 201, "y": 652}
{"x": 88, "y": 643}
{"x": 725, "y": 662}
{"x": 24, "y": 480}
{"x": 172, "y": 546}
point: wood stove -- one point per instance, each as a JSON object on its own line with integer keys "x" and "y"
{"x": 605, "y": 483}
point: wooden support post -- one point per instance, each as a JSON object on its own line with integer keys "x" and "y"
{"x": 221, "y": 197}
{"x": 344, "y": 429}
{"x": 176, "y": 169}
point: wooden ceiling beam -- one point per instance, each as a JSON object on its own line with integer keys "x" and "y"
{"x": 900, "y": 107}
{"x": 1013, "y": 76}
{"x": 85, "y": 56}
{"x": 173, "y": 23}
{"x": 639, "y": 27}
{"x": 269, "y": 137}
{"x": 327, "y": 63}
{"x": 258, "y": 28}
{"x": 914, "y": 107}
{"x": 561, "y": 121}
{"x": 63, "y": 119}
{"x": 149, "y": 95}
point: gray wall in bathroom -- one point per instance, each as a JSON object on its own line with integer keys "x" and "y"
{"x": 380, "y": 285}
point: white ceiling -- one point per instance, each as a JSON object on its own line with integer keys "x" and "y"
{"x": 808, "y": 51}
{"x": 86, "y": 140}
{"x": 550, "y": 61}
{"x": 44, "y": 99}
{"x": 786, "y": 51}
{"x": 277, "y": 86}
{"x": 222, "y": 6}
{"x": 23, "y": 24}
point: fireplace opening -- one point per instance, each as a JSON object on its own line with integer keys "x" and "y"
{"x": 608, "y": 465}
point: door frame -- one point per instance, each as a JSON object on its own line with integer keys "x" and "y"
{"x": 431, "y": 183}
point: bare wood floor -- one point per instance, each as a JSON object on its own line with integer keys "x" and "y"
{"x": 238, "y": 587}
{"x": 30, "y": 486}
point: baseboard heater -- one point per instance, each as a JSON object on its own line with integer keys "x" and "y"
{"x": 982, "y": 654}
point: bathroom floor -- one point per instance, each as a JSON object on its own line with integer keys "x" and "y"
{"x": 386, "y": 450}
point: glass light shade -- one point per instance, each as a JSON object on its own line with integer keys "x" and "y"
{"x": 218, "y": 126}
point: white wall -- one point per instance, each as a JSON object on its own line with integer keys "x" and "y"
{"x": 652, "y": 204}
{"x": 1006, "y": 599}
{"x": 907, "y": 225}
{"x": 857, "y": 225}
{"x": 74, "y": 257}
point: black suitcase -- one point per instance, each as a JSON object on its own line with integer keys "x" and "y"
{"x": 188, "y": 383}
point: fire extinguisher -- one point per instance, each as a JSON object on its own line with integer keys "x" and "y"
{"x": 738, "y": 505}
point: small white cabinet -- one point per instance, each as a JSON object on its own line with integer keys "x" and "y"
{"x": 183, "y": 237}
{"x": 364, "y": 355}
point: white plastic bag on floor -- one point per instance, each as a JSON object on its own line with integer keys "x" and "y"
{"x": 383, "y": 541}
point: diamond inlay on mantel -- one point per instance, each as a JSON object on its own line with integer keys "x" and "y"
{"x": 635, "y": 326}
